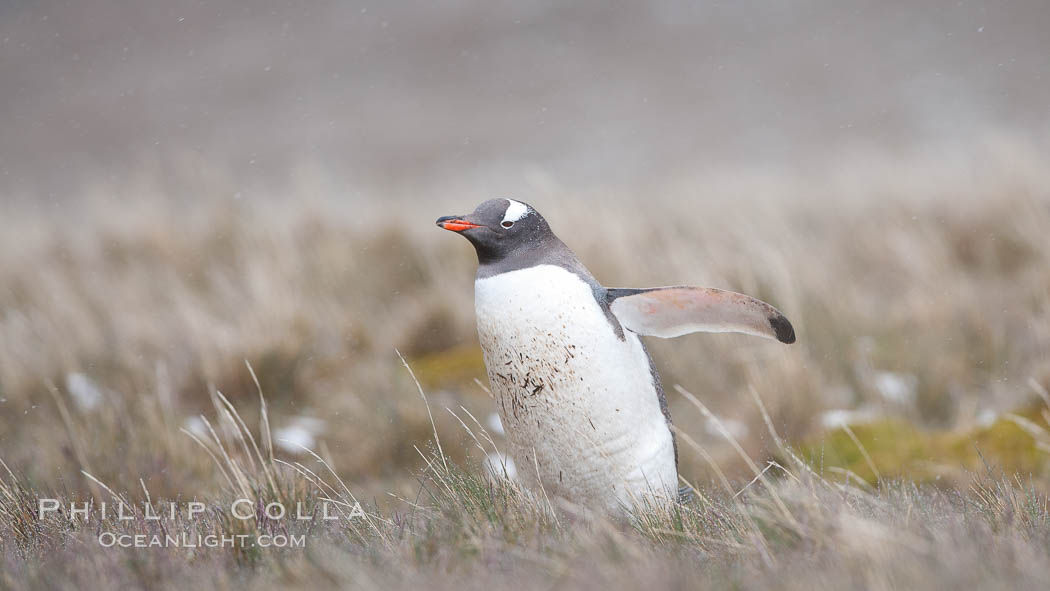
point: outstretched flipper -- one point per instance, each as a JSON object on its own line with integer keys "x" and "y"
{"x": 674, "y": 311}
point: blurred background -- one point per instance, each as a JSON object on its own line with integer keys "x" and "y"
{"x": 185, "y": 186}
{"x": 418, "y": 98}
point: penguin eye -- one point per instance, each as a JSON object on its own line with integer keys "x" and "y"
{"x": 507, "y": 224}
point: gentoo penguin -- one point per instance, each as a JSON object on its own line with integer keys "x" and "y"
{"x": 580, "y": 400}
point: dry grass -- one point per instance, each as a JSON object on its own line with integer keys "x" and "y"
{"x": 919, "y": 293}
{"x": 787, "y": 528}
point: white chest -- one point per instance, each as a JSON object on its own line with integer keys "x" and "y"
{"x": 578, "y": 402}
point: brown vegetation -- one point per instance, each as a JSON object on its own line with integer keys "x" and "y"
{"x": 921, "y": 307}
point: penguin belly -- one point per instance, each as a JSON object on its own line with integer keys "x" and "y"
{"x": 578, "y": 403}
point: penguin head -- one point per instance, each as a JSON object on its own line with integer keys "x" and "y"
{"x": 499, "y": 228}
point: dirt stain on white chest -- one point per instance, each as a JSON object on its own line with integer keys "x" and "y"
{"x": 577, "y": 401}
{"x": 538, "y": 327}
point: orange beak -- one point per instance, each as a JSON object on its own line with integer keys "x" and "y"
{"x": 455, "y": 224}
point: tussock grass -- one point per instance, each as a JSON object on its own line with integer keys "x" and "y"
{"x": 788, "y": 527}
{"x": 919, "y": 295}
{"x": 932, "y": 279}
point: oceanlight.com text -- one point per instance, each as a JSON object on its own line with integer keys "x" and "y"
{"x": 110, "y": 540}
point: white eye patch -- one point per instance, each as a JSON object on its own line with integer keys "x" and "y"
{"x": 515, "y": 211}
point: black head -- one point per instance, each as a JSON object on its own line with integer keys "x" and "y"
{"x": 499, "y": 228}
